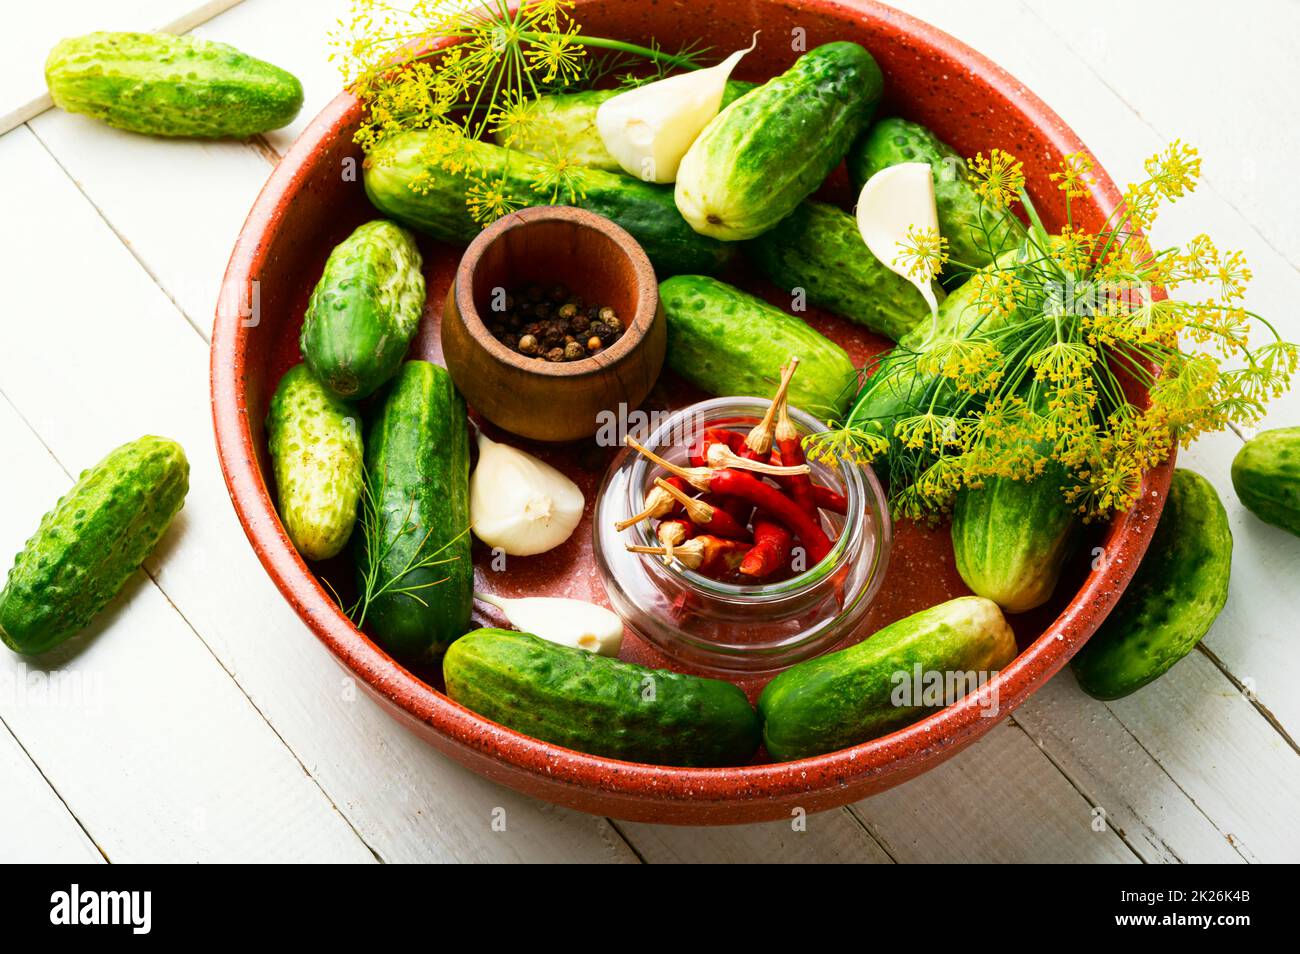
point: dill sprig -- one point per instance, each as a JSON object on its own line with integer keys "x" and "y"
{"x": 378, "y": 544}
{"x": 482, "y": 84}
{"x": 1033, "y": 364}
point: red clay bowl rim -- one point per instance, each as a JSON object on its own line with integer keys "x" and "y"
{"x": 638, "y": 330}
{"x": 895, "y": 754}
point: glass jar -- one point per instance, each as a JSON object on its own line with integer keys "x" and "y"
{"x": 733, "y": 627}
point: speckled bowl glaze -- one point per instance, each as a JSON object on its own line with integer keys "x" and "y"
{"x": 307, "y": 206}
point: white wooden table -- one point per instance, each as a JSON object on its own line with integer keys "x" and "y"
{"x": 201, "y": 721}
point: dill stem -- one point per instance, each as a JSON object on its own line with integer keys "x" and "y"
{"x": 685, "y": 62}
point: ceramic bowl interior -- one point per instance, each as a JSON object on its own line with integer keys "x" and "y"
{"x": 306, "y": 208}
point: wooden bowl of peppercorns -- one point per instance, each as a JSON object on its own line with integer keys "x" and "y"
{"x": 553, "y": 322}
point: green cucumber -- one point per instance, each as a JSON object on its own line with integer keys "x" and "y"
{"x": 1266, "y": 476}
{"x": 600, "y": 705}
{"x": 418, "y": 546}
{"x": 819, "y": 249}
{"x": 90, "y": 544}
{"x": 166, "y": 85}
{"x": 963, "y": 217}
{"x": 728, "y": 342}
{"x": 315, "y": 443}
{"x": 564, "y": 124}
{"x": 772, "y": 148}
{"x": 404, "y": 181}
{"x": 1173, "y": 599}
{"x": 365, "y": 310}
{"x": 860, "y": 693}
{"x": 1011, "y": 538}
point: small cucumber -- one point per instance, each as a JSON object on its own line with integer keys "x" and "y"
{"x": 365, "y": 310}
{"x": 564, "y": 124}
{"x": 315, "y": 443}
{"x": 88, "y": 546}
{"x": 1012, "y": 537}
{"x": 1266, "y": 476}
{"x": 963, "y": 218}
{"x": 769, "y": 150}
{"x": 850, "y": 696}
{"x": 1173, "y": 599}
{"x": 600, "y": 705}
{"x": 404, "y": 180}
{"x": 728, "y": 342}
{"x": 818, "y": 248}
{"x": 166, "y": 85}
{"x": 417, "y": 551}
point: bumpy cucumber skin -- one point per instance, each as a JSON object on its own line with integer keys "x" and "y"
{"x": 1173, "y": 599}
{"x": 90, "y": 544}
{"x": 599, "y": 705}
{"x": 769, "y": 150}
{"x": 1012, "y": 537}
{"x": 167, "y": 85}
{"x": 404, "y": 181}
{"x": 962, "y": 217}
{"x": 315, "y": 443}
{"x": 1266, "y": 476}
{"x": 565, "y": 124}
{"x": 417, "y": 468}
{"x": 365, "y": 310}
{"x": 845, "y": 698}
{"x": 818, "y": 248}
{"x": 731, "y": 343}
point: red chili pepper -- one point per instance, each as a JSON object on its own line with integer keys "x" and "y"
{"x": 658, "y": 503}
{"x": 771, "y": 549}
{"x": 735, "y": 483}
{"x": 716, "y": 520}
{"x": 787, "y": 440}
{"x": 710, "y": 555}
{"x": 710, "y": 436}
{"x": 831, "y": 500}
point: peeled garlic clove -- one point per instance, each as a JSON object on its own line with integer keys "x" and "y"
{"x": 572, "y": 623}
{"x": 518, "y": 503}
{"x": 893, "y": 200}
{"x": 648, "y": 129}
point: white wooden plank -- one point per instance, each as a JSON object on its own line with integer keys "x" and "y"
{"x": 1221, "y": 75}
{"x": 138, "y": 367}
{"x": 1115, "y": 773}
{"x": 834, "y": 837}
{"x": 999, "y": 801}
{"x": 35, "y": 826}
{"x": 145, "y": 736}
{"x": 23, "y": 51}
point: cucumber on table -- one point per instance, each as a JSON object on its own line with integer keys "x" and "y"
{"x": 848, "y": 697}
{"x": 963, "y": 217}
{"x": 772, "y": 148}
{"x": 1266, "y": 476}
{"x": 405, "y": 181}
{"x": 564, "y": 124}
{"x": 87, "y": 547}
{"x": 365, "y": 310}
{"x": 167, "y": 85}
{"x": 728, "y": 342}
{"x": 315, "y": 443}
{"x": 418, "y": 547}
{"x": 600, "y": 705}
{"x": 818, "y": 248}
{"x": 1173, "y": 599}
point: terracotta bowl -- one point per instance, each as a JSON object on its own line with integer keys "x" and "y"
{"x": 594, "y": 258}
{"x": 307, "y": 207}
